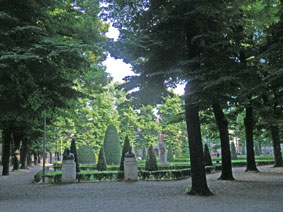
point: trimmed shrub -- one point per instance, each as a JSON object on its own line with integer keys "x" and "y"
{"x": 86, "y": 155}
{"x": 170, "y": 156}
{"x": 164, "y": 174}
{"x": 151, "y": 164}
{"x": 233, "y": 152}
{"x": 126, "y": 148}
{"x": 101, "y": 165}
{"x": 207, "y": 157}
{"x": 112, "y": 146}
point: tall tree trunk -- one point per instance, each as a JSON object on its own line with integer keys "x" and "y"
{"x": 251, "y": 165}
{"x": 29, "y": 161}
{"x": 6, "y": 150}
{"x": 24, "y": 153}
{"x": 38, "y": 158}
{"x": 35, "y": 159}
{"x": 222, "y": 124}
{"x": 50, "y": 158}
{"x": 276, "y": 146}
{"x": 199, "y": 183}
{"x": 16, "y": 152}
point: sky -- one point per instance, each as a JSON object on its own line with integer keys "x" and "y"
{"x": 118, "y": 69}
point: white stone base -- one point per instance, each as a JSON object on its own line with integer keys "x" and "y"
{"x": 68, "y": 171}
{"x": 130, "y": 169}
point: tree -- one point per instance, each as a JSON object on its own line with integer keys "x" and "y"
{"x": 199, "y": 184}
{"x": 144, "y": 153}
{"x": 233, "y": 151}
{"x": 225, "y": 147}
{"x": 170, "y": 156}
{"x": 270, "y": 57}
{"x": 171, "y": 119}
{"x": 112, "y": 146}
{"x": 251, "y": 165}
{"x": 46, "y": 50}
{"x": 207, "y": 156}
{"x": 147, "y": 127}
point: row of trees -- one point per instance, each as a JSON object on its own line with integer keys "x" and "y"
{"x": 229, "y": 54}
{"x": 51, "y": 53}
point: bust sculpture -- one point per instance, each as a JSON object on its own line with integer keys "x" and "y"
{"x": 68, "y": 155}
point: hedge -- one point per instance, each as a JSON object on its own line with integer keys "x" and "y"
{"x": 39, "y": 174}
{"x": 86, "y": 155}
{"x": 96, "y": 176}
{"x": 174, "y": 174}
{"x": 111, "y": 146}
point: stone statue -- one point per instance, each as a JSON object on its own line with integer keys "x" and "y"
{"x": 163, "y": 153}
{"x": 68, "y": 154}
{"x": 130, "y": 154}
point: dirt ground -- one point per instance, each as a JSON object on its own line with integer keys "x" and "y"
{"x": 258, "y": 192}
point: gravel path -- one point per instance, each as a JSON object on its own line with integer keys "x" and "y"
{"x": 259, "y": 192}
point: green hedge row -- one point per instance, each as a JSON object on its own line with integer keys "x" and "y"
{"x": 174, "y": 174}
{"x": 94, "y": 176}
{"x": 39, "y": 174}
{"x": 98, "y": 176}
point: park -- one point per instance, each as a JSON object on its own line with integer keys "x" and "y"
{"x": 67, "y": 125}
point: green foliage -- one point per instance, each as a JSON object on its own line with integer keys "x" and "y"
{"x": 126, "y": 148}
{"x": 112, "y": 146}
{"x": 207, "y": 156}
{"x": 144, "y": 153}
{"x": 151, "y": 164}
{"x": 101, "y": 165}
{"x": 171, "y": 118}
{"x": 233, "y": 151}
{"x": 39, "y": 174}
{"x": 86, "y": 154}
{"x": 164, "y": 174}
{"x": 148, "y": 129}
{"x": 170, "y": 156}
{"x": 257, "y": 148}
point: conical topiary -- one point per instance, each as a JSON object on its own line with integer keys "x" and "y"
{"x": 233, "y": 152}
{"x": 207, "y": 157}
{"x": 126, "y": 148}
{"x": 112, "y": 146}
{"x": 74, "y": 151}
{"x": 151, "y": 164}
{"x": 101, "y": 165}
{"x": 170, "y": 156}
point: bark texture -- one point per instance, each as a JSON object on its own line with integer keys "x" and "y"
{"x": 6, "y": 150}
{"x": 276, "y": 146}
{"x": 24, "y": 154}
{"x": 16, "y": 151}
{"x": 199, "y": 183}
{"x": 222, "y": 124}
{"x": 251, "y": 165}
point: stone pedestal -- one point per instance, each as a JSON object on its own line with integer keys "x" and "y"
{"x": 69, "y": 171}
{"x": 130, "y": 169}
